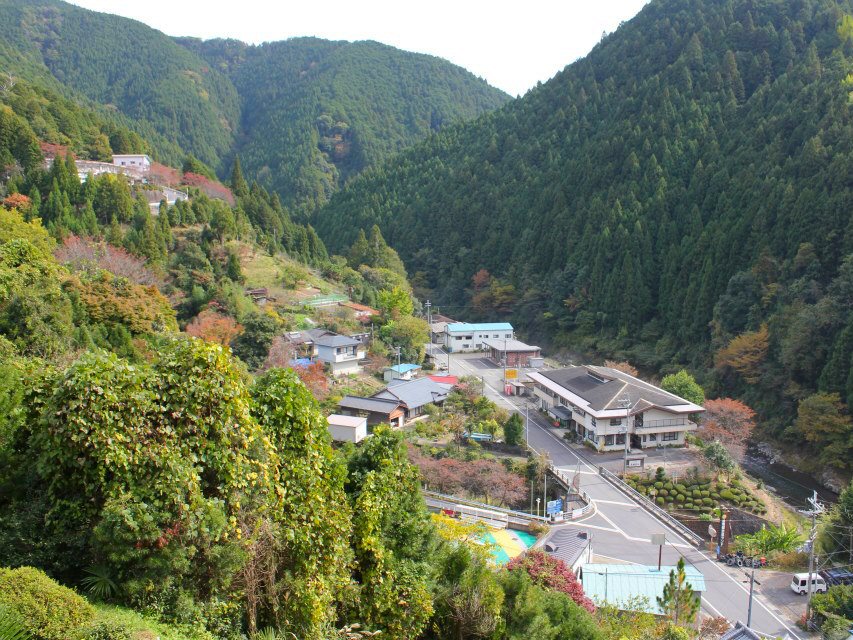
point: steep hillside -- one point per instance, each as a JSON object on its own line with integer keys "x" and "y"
{"x": 316, "y": 112}
{"x": 126, "y": 66}
{"x": 683, "y": 191}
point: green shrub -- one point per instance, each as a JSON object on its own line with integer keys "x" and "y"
{"x": 660, "y": 501}
{"x": 668, "y": 485}
{"x": 49, "y": 610}
{"x": 108, "y": 630}
{"x": 706, "y": 494}
{"x": 696, "y": 493}
{"x": 707, "y": 502}
{"x": 721, "y": 486}
{"x": 681, "y": 488}
{"x": 725, "y": 494}
{"x": 663, "y": 492}
{"x": 679, "y": 498}
{"x": 688, "y": 505}
{"x": 660, "y": 474}
{"x": 658, "y": 485}
{"x": 715, "y": 495}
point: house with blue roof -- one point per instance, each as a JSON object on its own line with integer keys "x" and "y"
{"x": 634, "y": 587}
{"x": 460, "y": 337}
{"x": 404, "y": 371}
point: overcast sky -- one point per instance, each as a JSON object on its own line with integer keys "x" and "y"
{"x": 513, "y": 45}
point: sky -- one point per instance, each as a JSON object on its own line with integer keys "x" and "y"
{"x": 512, "y": 45}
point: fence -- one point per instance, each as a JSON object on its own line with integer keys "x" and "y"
{"x": 651, "y": 507}
{"x": 588, "y": 508}
{"x": 456, "y": 500}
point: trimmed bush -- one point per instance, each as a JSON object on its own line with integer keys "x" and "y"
{"x": 668, "y": 485}
{"x": 721, "y": 486}
{"x": 725, "y": 494}
{"x": 658, "y": 485}
{"x": 681, "y": 488}
{"x": 49, "y": 610}
{"x": 697, "y": 493}
{"x": 679, "y": 498}
{"x": 715, "y": 495}
{"x": 660, "y": 501}
{"x": 706, "y": 494}
{"x": 663, "y": 492}
{"x": 108, "y": 630}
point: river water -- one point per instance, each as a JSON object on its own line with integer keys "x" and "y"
{"x": 792, "y": 486}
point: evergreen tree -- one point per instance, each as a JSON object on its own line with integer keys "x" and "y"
{"x": 238, "y": 184}
{"x": 678, "y": 601}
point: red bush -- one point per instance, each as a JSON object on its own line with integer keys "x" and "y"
{"x": 551, "y": 573}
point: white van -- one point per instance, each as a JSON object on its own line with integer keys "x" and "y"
{"x": 800, "y": 583}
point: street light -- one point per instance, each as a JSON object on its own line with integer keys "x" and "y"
{"x": 537, "y": 505}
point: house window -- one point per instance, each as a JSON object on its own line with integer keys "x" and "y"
{"x": 469, "y": 337}
{"x": 593, "y": 422}
{"x": 615, "y": 422}
{"x": 580, "y": 412}
{"x": 608, "y": 440}
{"x": 457, "y": 338}
{"x": 670, "y": 436}
{"x": 495, "y": 336}
{"x": 620, "y": 438}
{"x": 508, "y": 335}
{"x": 653, "y": 437}
{"x": 638, "y": 421}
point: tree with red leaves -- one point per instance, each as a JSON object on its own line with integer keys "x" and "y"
{"x": 728, "y": 421}
{"x": 85, "y": 254}
{"x": 314, "y": 378}
{"x": 551, "y": 573}
{"x": 214, "y": 327}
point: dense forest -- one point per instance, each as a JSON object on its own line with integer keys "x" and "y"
{"x": 304, "y": 114}
{"x": 316, "y": 112}
{"x": 680, "y": 195}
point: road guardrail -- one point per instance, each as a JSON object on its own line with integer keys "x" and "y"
{"x": 651, "y": 507}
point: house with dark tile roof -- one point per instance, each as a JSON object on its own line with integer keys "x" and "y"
{"x": 605, "y": 406}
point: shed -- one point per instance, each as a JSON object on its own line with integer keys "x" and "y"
{"x": 347, "y": 428}
{"x": 634, "y": 587}
{"x": 405, "y": 371}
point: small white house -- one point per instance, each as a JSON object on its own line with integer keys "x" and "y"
{"x": 347, "y": 428}
{"x": 405, "y": 371}
{"x": 137, "y": 162}
{"x": 341, "y": 354}
{"x": 465, "y": 336}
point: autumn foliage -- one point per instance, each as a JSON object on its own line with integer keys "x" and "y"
{"x": 551, "y": 573}
{"x": 624, "y": 367}
{"x": 745, "y": 353}
{"x": 728, "y": 421}
{"x": 487, "y": 479}
{"x": 85, "y": 254}
{"x": 214, "y": 327}
{"x": 17, "y": 201}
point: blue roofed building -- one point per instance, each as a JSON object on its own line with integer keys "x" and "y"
{"x": 634, "y": 587}
{"x": 467, "y": 336}
{"x": 404, "y": 371}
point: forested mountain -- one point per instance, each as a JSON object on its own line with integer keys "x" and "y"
{"x": 304, "y": 114}
{"x": 682, "y": 194}
{"x": 315, "y": 112}
{"x": 128, "y": 67}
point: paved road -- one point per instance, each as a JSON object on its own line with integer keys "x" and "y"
{"x": 621, "y": 529}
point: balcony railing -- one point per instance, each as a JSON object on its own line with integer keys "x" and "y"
{"x": 346, "y": 357}
{"x": 670, "y": 422}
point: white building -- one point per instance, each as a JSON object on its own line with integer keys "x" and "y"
{"x": 347, "y": 428}
{"x": 341, "y": 354}
{"x": 135, "y": 162}
{"x": 465, "y": 336}
{"x": 604, "y": 406}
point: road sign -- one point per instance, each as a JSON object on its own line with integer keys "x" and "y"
{"x": 511, "y": 374}
{"x": 554, "y": 506}
{"x": 658, "y": 539}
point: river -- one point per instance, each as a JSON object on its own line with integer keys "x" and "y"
{"x": 792, "y": 486}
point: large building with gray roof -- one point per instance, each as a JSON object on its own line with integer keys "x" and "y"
{"x": 605, "y": 406}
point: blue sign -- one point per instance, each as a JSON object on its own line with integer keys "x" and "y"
{"x": 554, "y": 506}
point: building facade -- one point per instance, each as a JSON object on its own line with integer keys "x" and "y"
{"x": 460, "y": 337}
{"x": 605, "y": 407}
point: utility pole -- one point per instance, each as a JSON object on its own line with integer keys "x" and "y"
{"x": 527, "y": 425}
{"x": 428, "y": 306}
{"x": 397, "y": 353}
{"x": 751, "y": 587}
{"x": 625, "y": 403}
{"x": 817, "y": 509}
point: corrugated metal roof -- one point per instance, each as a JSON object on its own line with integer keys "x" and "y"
{"x": 568, "y": 544}
{"x": 637, "y": 586}
{"x": 479, "y": 326}
{"x": 376, "y": 405}
{"x": 415, "y": 393}
{"x": 509, "y": 345}
{"x": 404, "y": 368}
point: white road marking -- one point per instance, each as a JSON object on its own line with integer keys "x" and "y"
{"x": 600, "y": 528}
{"x": 621, "y": 504}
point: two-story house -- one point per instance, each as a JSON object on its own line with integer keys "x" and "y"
{"x": 341, "y": 354}
{"x": 605, "y": 406}
{"x": 466, "y": 336}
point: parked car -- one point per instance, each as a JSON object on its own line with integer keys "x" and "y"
{"x": 800, "y": 582}
{"x": 834, "y": 577}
